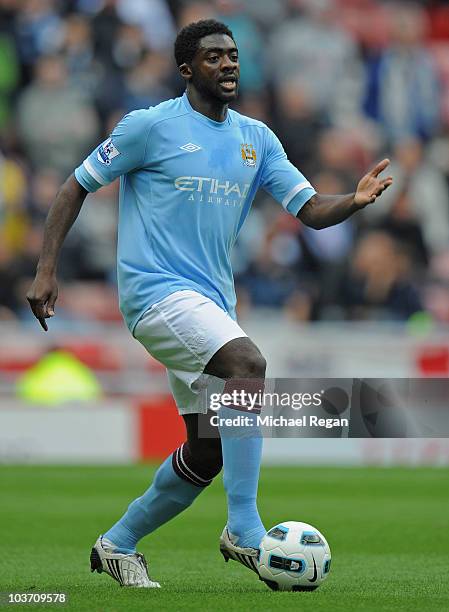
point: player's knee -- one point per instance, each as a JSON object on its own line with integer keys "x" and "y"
{"x": 250, "y": 365}
{"x": 240, "y": 358}
{"x": 248, "y": 362}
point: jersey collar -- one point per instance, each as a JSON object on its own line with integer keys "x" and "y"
{"x": 218, "y": 125}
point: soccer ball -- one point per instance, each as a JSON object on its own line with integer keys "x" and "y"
{"x": 294, "y": 557}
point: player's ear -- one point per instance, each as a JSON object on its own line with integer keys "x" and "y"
{"x": 186, "y": 71}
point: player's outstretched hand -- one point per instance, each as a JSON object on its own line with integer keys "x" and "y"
{"x": 42, "y": 296}
{"x": 371, "y": 185}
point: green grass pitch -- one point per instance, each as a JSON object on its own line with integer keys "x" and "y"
{"x": 388, "y": 530}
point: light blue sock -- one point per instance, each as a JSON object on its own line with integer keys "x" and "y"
{"x": 167, "y": 497}
{"x": 242, "y": 454}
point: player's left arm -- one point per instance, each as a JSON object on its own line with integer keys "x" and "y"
{"x": 280, "y": 178}
{"x": 322, "y": 211}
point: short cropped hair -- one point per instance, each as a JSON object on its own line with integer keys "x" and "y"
{"x": 188, "y": 39}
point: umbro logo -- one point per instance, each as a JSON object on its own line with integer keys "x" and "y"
{"x": 190, "y": 147}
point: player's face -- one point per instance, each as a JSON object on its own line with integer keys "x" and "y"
{"x": 215, "y": 69}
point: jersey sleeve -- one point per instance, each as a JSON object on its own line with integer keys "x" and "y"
{"x": 123, "y": 152}
{"x": 282, "y": 180}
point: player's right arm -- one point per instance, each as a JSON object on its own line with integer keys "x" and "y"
{"x": 123, "y": 152}
{"x": 43, "y": 293}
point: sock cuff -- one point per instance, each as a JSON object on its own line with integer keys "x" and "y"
{"x": 185, "y": 472}
{"x": 242, "y": 389}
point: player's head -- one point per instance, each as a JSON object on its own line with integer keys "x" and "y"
{"x": 207, "y": 57}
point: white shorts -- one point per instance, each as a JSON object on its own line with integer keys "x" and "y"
{"x": 183, "y": 332}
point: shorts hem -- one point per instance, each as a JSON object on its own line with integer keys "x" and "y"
{"x": 218, "y": 345}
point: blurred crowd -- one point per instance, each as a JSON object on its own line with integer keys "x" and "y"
{"x": 343, "y": 83}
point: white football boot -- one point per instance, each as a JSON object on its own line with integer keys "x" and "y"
{"x": 249, "y": 557}
{"x": 128, "y": 569}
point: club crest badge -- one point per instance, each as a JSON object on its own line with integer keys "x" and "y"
{"x": 248, "y": 155}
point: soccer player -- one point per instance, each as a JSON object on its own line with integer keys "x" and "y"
{"x": 189, "y": 169}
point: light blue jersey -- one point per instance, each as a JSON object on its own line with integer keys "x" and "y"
{"x": 186, "y": 187}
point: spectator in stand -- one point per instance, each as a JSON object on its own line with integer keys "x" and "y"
{"x": 419, "y": 198}
{"x": 194, "y": 11}
{"x": 13, "y": 217}
{"x": 310, "y": 47}
{"x": 256, "y": 105}
{"x": 57, "y": 124}
{"x": 276, "y": 266}
{"x": 9, "y": 277}
{"x": 78, "y": 52}
{"x": 105, "y": 25}
{"x": 439, "y": 20}
{"x": 337, "y": 151}
{"x": 44, "y": 186}
{"x": 155, "y": 19}
{"x": 128, "y": 47}
{"x": 298, "y": 124}
{"x": 436, "y": 294}
{"x": 147, "y": 83}
{"x": 38, "y": 30}
{"x": 266, "y": 13}
{"x": 378, "y": 284}
{"x": 9, "y": 74}
{"x": 403, "y": 84}
{"x": 367, "y": 21}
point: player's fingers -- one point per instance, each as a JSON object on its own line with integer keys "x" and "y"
{"x": 378, "y": 168}
{"x": 380, "y": 186}
{"x": 39, "y": 310}
{"x": 37, "y": 307}
{"x": 51, "y": 304}
{"x": 384, "y": 185}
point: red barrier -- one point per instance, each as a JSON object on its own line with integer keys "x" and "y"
{"x": 433, "y": 361}
{"x": 161, "y": 429}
